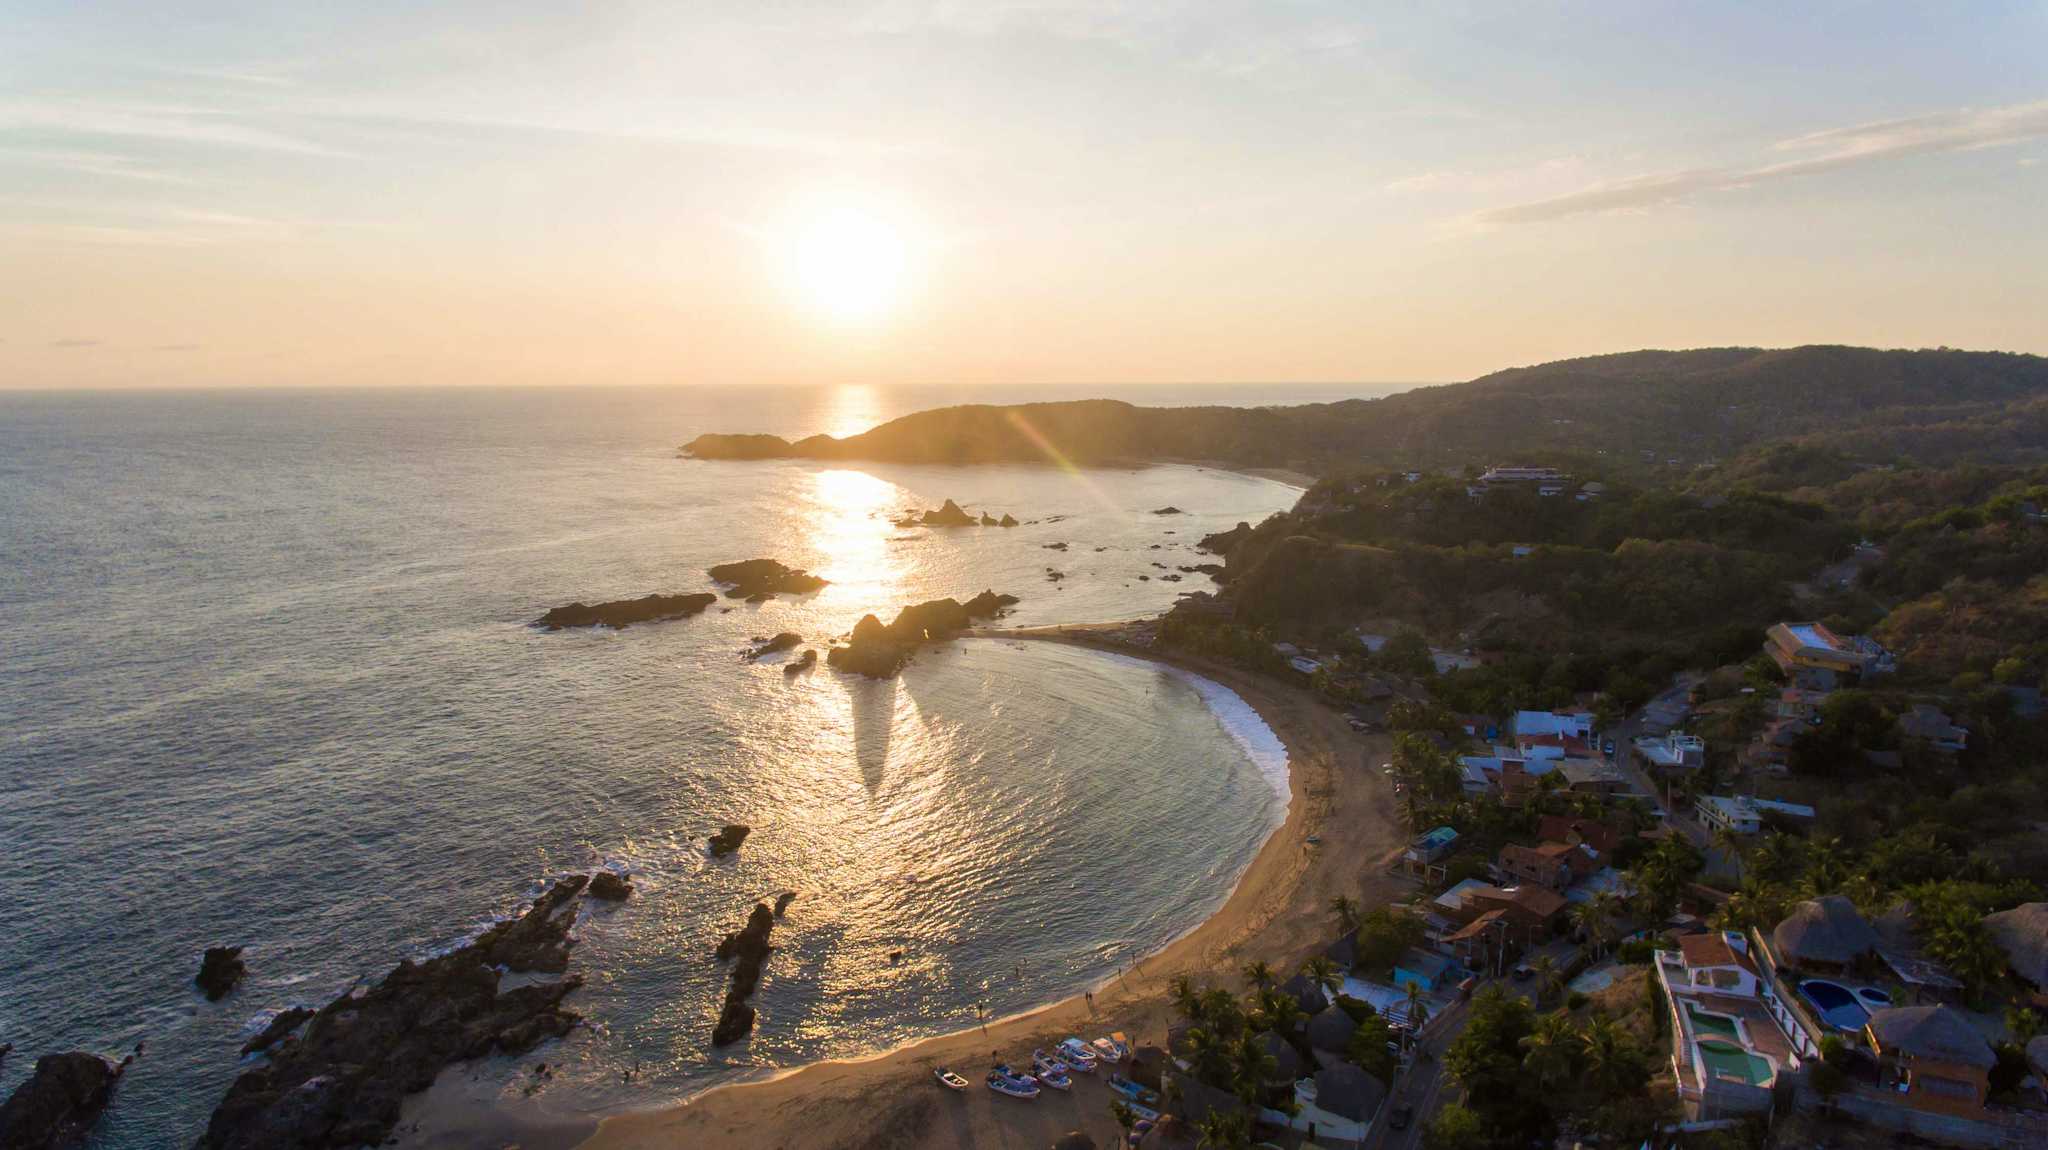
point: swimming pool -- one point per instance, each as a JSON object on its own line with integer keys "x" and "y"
{"x": 1837, "y": 1004}
{"x": 1727, "y": 1060}
{"x": 1710, "y": 1023}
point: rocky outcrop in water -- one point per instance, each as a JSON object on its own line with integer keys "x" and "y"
{"x": 879, "y": 651}
{"x": 611, "y": 886}
{"x": 59, "y": 1102}
{"x": 949, "y": 516}
{"x": 786, "y": 641}
{"x": 757, "y": 579}
{"x": 282, "y": 1023}
{"x": 747, "y": 949}
{"x": 1224, "y": 542}
{"x": 801, "y": 663}
{"x": 341, "y": 1083}
{"x": 219, "y": 970}
{"x": 623, "y": 613}
{"x": 1006, "y": 521}
{"x": 1168, "y": 510}
{"x": 729, "y": 838}
{"x": 782, "y": 902}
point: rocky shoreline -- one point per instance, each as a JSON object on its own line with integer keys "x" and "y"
{"x": 336, "y": 1078}
{"x": 622, "y": 613}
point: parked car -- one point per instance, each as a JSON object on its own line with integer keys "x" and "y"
{"x": 1401, "y": 1117}
{"x": 1524, "y": 972}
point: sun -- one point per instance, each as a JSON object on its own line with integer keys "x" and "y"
{"x": 848, "y": 264}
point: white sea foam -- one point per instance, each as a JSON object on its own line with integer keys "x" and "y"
{"x": 1240, "y": 720}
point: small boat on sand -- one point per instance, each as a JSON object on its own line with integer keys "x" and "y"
{"x": 948, "y": 1079}
{"x": 1131, "y": 1090}
{"x": 1057, "y": 1079}
{"x": 1077, "y": 1055}
{"x": 1110, "y": 1050}
{"x": 1011, "y": 1085}
{"x": 1043, "y": 1064}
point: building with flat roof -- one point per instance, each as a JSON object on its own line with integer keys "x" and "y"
{"x": 1728, "y": 1048}
{"x": 1799, "y": 648}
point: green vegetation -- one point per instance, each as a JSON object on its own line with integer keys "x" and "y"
{"x": 1531, "y": 1076}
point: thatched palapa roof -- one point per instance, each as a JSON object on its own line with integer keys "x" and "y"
{"x": 1331, "y": 1030}
{"x": 2022, "y": 933}
{"x": 1827, "y": 930}
{"x": 1936, "y": 1033}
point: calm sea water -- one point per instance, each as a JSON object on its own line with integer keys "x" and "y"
{"x": 267, "y": 679}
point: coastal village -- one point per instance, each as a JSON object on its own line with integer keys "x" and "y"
{"x": 1613, "y": 925}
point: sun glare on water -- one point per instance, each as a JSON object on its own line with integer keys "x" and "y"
{"x": 848, "y": 264}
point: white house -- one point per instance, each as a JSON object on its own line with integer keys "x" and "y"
{"x": 1676, "y": 750}
{"x": 1736, "y": 814}
{"x": 1570, "y": 724}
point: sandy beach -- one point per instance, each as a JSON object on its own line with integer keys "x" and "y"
{"x": 1277, "y": 913}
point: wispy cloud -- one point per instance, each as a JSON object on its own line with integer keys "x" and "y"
{"x": 102, "y": 164}
{"x": 174, "y": 123}
{"x": 1959, "y": 130}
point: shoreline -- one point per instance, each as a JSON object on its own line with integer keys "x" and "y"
{"x": 1274, "y": 912}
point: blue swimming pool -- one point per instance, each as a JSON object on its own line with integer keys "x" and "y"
{"x": 1837, "y": 1004}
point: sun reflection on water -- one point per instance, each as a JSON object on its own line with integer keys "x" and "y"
{"x": 849, "y": 530}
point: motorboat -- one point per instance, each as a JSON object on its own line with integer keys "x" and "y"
{"x": 1012, "y": 1085}
{"x": 1110, "y": 1050}
{"x": 1132, "y": 1091}
{"x": 1077, "y": 1054}
{"x": 948, "y": 1079}
{"x": 1043, "y": 1064}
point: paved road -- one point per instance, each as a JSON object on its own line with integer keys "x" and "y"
{"x": 1422, "y": 1085}
{"x": 1624, "y": 737}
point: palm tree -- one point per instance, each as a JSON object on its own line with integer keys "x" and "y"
{"x": 1258, "y": 974}
{"x": 1186, "y": 998}
{"x": 1548, "y": 1050}
{"x": 1209, "y": 1054}
{"x": 1549, "y": 979}
{"x": 1254, "y": 1067}
{"x": 1730, "y": 844}
{"x": 1323, "y": 972}
{"x": 1605, "y": 1049}
{"x": 1224, "y": 1131}
{"x": 1346, "y": 911}
{"x": 1418, "y": 1010}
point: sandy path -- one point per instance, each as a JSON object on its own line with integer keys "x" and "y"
{"x": 1277, "y": 913}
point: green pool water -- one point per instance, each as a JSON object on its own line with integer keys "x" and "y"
{"x": 1719, "y": 1024}
{"x": 1723, "y": 1059}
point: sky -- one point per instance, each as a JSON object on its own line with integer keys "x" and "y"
{"x": 1127, "y": 191}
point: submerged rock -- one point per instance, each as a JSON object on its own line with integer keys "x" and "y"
{"x": 342, "y": 1083}
{"x": 786, "y": 641}
{"x": 801, "y": 663}
{"x": 879, "y": 651}
{"x": 748, "y": 950}
{"x": 281, "y": 1024}
{"x": 763, "y": 577}
{"x": 1054, "y": 546}
{"x": 782, "y": 902}
{"x": 219, "y": 970}
{"x": 59, "y": 1102}
{"x": 1168, "y": 510}
{"x": 949, "y": 516}
{"x": 611, "y": 886}
{"x": 623, "y": 613}
{"x": 729, "y": 838}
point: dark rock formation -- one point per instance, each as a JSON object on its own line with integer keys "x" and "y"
{"x": 219, "y": 971}
{"x": 988, "y": 520}
{"x": 1054, "y": 576}
{"x": 1006, "y": 521}
{"x": 1168, "y": 510}
{"x": 739, "y": 447}
{"x": 342, "y": 1082}
{"x": 283, "y": 1023}
{"x": 949, "y": 516}
{"x": 1224, "y": 542}
{"x": 1169, "y": 578}
{"x": 6, "y": 1048}
{"x": 786, "y": 641}
{"x": 748, "y": 950}
{"x": 1213, "y": 570}
{"x": 611, "y": 886}
{"x": 763, "y": 577}
{"x": 1054, "y": 546}
{"x": 879, "y": 651}
{"x": 801, "y": 663}
{"x": 59, "y": 1102}
{"x": 782, "y": 902}
{"x": 623, "y": 613}
{"x": 729, "y": 838}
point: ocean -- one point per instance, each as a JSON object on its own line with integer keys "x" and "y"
{"x": 269, "y": 679}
